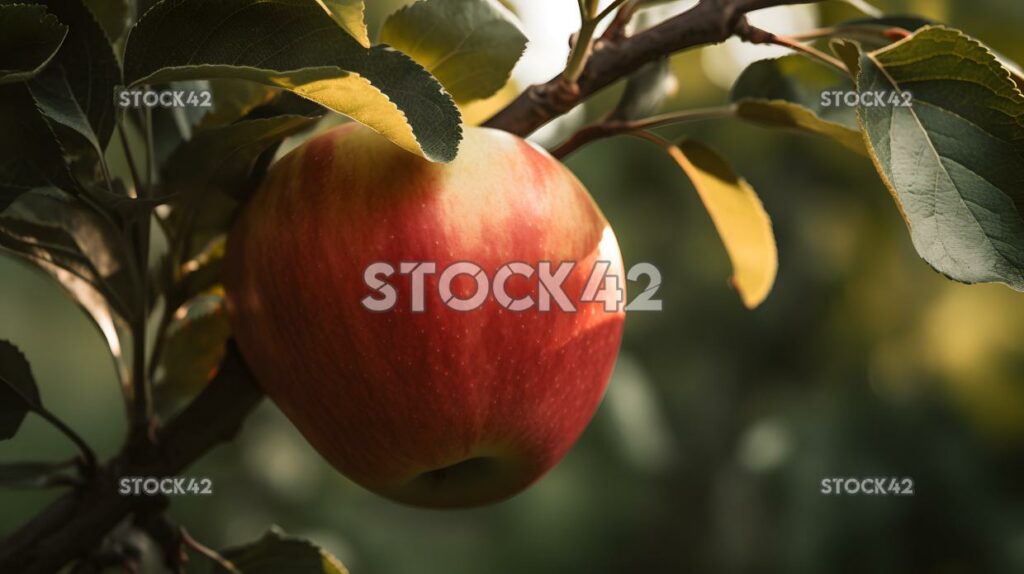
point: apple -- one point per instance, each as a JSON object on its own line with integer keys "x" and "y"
{"x": 436, "y": 406}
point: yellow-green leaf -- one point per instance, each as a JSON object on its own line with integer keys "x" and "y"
{"x": 277, "y": 552}
{"x": 471, "y": 46}
{"x": 739, "y": 217}
{"x": 783, "y": 114}
{"x": 196, "y": 344}
{"x": 788, "y": 93}
{"x": 351, "y": 16}
{"x": 295, "y": 45}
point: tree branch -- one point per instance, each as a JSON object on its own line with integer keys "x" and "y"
{"x": 77, "y": 522}
{"x": 709, "y": 22}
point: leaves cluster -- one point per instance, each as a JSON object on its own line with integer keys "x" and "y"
{"x": 127, "y": 206}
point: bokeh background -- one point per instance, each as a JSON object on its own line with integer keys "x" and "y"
{"x": 719, "y": 424}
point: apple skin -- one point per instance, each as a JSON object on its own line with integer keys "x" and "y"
{"x": 438, "y": 408}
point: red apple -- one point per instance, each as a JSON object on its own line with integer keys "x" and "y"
{"x": 438, "y": 407}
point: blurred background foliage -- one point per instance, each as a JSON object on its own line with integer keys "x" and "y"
{"x": 719, "y": 424}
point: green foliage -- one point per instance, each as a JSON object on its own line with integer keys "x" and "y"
{"x": 223, "y": 157}
{"x": 57, "y": 104}
{"x": 29, "y": 38}
{"x": 60, "y": 236}
{"x": 196, "y": 343}
{"x": 89, "y": 65}
{"x": 470, "y": 46}
{"x": 350, "y": 15}
{"x": 954, "y": 161}
{"x": 30, "y": 155}
{"x": 287, "y": 45}
{"x": 114, "y": 16}
{"x": 18, "y": 392}
{"x": 787, "y": 93}
{"x": 276, "y": 553}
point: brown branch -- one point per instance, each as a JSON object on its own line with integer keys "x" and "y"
{"x": 77, "y": 522}
{"x": 709, "y": 22}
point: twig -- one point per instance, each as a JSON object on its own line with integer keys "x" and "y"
{"x": 710, "y": 21}
{"x": 208, "y": 552}
{"x": 75, "y": 523}
{"x": 130, "y": 157}
{"x": 609, "y": 129}
{"x": 584, "y": 43}
{"x": 869, "y": 32}
{"x": 758, "y": 36}
{"x": 616, "y": 31}
{"x": 611, "y": 8}
{"x": 142, "y": 399}
{"x": 88, "y": 456}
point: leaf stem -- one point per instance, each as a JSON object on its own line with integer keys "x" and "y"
{"x": 609, "y": 129}
{"x": 130, "y": 157}
{"x": 142, "y": 408}
{"x": 811, "y": 51}
{"x": 868, "y": 32}
{"x": 580, "y": 51}
{"x": 611, "y": 8}
{"x": 208, "y": 552}
{"x": 88, "y": 456}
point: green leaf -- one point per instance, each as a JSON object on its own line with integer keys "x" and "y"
{"x": 204, "y": 271}
{"x": 18, "y": 392}
{"x": 646, "y": 90}
{"x": 29, "y": 39}
{"x": 787, "y": 93}
{"x": 739, "y": 217}
{"x": 954, "y": 161}
{"x": 67, "y": 121}
{"x": 276, "y": 553}
{"x": 114, "y": 16}
{"x": 90, "y": 66}
{"x": 871, "y": 33}
{"x": 30, "y": 156}
{"x": 295, "y": 45}
{"x": 67, "y": 241}
{"x": 351, "y": 16}
{"x": 224, "y": 157}
{"x": 57, "y": 103}
{"x": 233, "y": 99}
{"x": 799, "y": 80}
{"x": 471, "y": 46}
{"x": 783, "y": 114}
{"x": 196, "y": 343}
{"x": 849, "y": 52}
